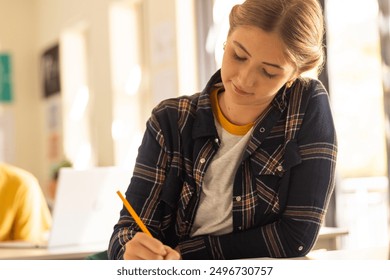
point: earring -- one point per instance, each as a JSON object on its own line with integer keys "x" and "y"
{"x": 224, "y": 45}
{"x": 289, "y": 84}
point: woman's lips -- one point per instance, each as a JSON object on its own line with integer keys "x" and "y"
{"x": 240, "y": 91}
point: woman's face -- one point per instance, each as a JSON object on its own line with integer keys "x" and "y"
{"x": 254, "y": 66}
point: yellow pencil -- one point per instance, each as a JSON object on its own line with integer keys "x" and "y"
{"x": 134, "y": 214}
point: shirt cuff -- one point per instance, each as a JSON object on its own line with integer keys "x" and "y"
{"x": 201, "y": 248}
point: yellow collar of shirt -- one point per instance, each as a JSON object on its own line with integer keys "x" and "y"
{"x": 223, "y": 121}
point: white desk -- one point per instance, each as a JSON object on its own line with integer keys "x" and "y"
{"x": 329, "y": 238}
{"x": 377, "y": 253}
{"x": 80, "y": 252}
{"x": 58, "y": 253}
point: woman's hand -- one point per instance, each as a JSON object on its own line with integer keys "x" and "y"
{"x": 144, "y": 247}
{"x": 172, "y": 254}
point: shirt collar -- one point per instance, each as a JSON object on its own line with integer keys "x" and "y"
{"x": 204, "y": 122}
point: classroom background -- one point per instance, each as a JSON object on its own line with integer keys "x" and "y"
{"x": 78, "y": 79}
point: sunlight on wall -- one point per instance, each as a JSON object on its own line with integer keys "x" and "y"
{"x": 127, "y": 76}
{"x": 186, "y": 47}
{"x": 77, "y": 143}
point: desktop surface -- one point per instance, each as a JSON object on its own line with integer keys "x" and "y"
{"x": 59, "y": 253}
{"x": 376, "y": 253}
{"x": 81, "y": 252}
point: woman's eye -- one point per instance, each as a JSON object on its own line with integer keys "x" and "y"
{"x": 268, "y": 75}
{"x": 239, "y": 58}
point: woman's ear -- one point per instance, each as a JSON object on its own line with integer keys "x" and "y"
{"x": 290, "y": 83}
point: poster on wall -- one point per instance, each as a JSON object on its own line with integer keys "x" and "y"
{"x": 54, "y": 129}
{"x": 5, "y": 78}
{"x": 50, "y": 66}
{"x": 51, "y": 86}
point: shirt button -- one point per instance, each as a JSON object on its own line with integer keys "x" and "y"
{"x": 280, "y": 168}
{"x": 216, "y": 140}
{"x": 239, "y": 228}
{"x": 202, "y": 160}
{"x": 300, "y": 248}
{"x": 262, "y": 129}
{"x": 238, "y": 198}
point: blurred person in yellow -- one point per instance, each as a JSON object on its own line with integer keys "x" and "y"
{"x": 24, "y": 213}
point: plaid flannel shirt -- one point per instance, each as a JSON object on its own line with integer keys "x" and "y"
{"x": 281, "y": 188}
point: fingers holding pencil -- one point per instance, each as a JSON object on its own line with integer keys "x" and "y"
{"x": 143, "y": 246}
{"x": 134, "y": 214}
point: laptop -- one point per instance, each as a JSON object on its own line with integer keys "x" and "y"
{"x": 86, "y": 207}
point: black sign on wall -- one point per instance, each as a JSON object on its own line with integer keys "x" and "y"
{"x": 50, "y": 66}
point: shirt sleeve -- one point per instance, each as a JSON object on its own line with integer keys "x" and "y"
{"x": 32, "y": 218}
{"x": 308, "y": 189}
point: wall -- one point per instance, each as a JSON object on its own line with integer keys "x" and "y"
{"x": 28, "y": 27}
{"x": 17, "y": 37}
{"x": 56, "y": 17}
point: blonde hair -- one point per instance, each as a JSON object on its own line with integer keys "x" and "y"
{"x": 298, "y": 22}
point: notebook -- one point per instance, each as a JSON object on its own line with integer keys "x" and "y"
{"x": 86, "y": 207}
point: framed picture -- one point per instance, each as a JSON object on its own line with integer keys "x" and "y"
{"x": 50, "y": 65}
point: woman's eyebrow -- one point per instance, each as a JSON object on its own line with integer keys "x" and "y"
{"x": 264, "y": 62}
{"x": 242, "y": 47}
{"x": 273, "y": 65}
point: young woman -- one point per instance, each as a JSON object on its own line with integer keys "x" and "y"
{"x": 246, "y": 167}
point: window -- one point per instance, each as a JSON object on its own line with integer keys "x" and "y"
{"x": 355, "y": 82}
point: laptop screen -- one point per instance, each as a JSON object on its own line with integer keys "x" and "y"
{"x": 86, "y": 205}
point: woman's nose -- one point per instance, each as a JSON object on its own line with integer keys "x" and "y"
{"x": 247, "y": 78}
